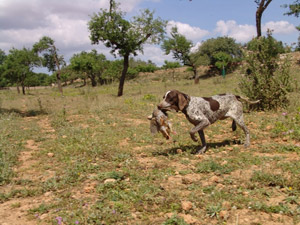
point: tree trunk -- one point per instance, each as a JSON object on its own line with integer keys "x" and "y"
{"x": 262, "y": 5}
{"x": 124, "y": 72}
{"x": 23, "y": 88}
{"x": 196, "y": 77}
{"x": 59, "y": 81}
{"x": 18, "y": 89}
{"x": 93, "y": 80}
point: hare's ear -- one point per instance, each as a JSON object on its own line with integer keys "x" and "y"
{"x": 182, "y": 101}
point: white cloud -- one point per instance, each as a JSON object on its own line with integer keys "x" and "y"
{"x": 191, "y": 33}
{"x": 241, "y": 33}
{"x": 155, "y": 54}
{"x": 244, "y": 33}
{"x": 279, "y": 27}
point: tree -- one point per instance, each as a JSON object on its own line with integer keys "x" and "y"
{"x": 181, "y": 50}
{"x": 294, "y": 9}
{"x": 90, "y": 64}
{"x": 125, "y": 37}
{"x": 18, "y": 66}
{"x": 219, "y": 52}
{"x": 268, "y": 77}
{"x": 261, "y": 7}
{"x": 51, "y": 59}
{"x": 3, "y": 80}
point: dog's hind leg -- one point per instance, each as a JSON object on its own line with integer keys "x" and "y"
{"x": 233, "y": 125}
{"x": 240, "y": 122}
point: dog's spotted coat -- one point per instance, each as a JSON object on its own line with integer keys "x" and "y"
{"x": 203, "y": 111}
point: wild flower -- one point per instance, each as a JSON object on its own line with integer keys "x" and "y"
{"x": 59, "y": 220}
{"x": 76, "y": 222}
{"x": 284, "y": 114}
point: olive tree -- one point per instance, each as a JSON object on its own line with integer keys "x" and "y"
{"x": 51, "y": 59}
{"x": 180, "y": 47}
{"x": 125, "y": 37}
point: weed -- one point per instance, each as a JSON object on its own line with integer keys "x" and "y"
{"x": 175, "y": 220}
{"x": 212, "y": 166}
{"x": 213, "y": 210}
{"x": 269, "y": 179}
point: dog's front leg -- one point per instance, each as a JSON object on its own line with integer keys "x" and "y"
{"x": 199, "y": 128}
{"x": 201, "y": 149}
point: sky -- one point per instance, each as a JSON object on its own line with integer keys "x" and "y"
{"x": 24, "y": 22}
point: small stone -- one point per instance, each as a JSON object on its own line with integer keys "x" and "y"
{"x": 224, "y": 214}
{"x": 179, "y": 151}
{"x": 224, "y": 163}
{"x": 215, "y": 179}
{"x": 44, "y": 216}
{"x": 186, "y": 205}
{"x": 226, "y": 205}
{"x": 188, "y": 218}
{"x": 169, "y": 215}
{"x": 47, "y": 194}
{"x": 110, "y": 180}
{"x": 186, "y": 180}
{"x": 50, "y": 154}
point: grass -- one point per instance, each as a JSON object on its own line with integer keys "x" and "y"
{"x": 89, "y": 136}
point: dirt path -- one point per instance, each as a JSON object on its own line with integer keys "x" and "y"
{"x": 15, "y": 211}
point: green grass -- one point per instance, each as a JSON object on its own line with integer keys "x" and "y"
{"x": 90, "y": 135}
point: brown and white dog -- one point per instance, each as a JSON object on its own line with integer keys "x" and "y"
{"x": 204, "y": 111}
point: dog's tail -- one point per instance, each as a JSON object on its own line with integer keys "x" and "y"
{"x": 240, "y": 98}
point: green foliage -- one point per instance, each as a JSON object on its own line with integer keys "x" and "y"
{"x": 222, "y": 59}
{"x": 142, "y": 66}
{"x": 50, "y": 59}
{"x": 277, "y": 46}
{"x": 90, "y": 64}
{"x": 125, "y": 37}
{"x": 175, "y": 220}
{"x": 171, "y": 65}
{"x": 18, "y": 66}
{"x": 179, "y": 46}
{"x": 268, "y": 77}
{"x": 219, "y": 51}
{"x": 288, "y": 125}
{"x": 113, "y": 71}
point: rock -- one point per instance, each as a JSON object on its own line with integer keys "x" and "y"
{"x": 215, "y": 179}
{"x": 169, "y": 215}
{"x": 110, "y": 180}
{"x": 224, "y": 214}
{"x": 188, "y": 218}
{"x": 226, "y": 205}
{"x": 50, "y": 154}
{"x": 186, "y": 180}
{"x": 179, "y": 151}
{"x": 186, "y": 205}
{"x": 47, "y": 194}
{"x": 43, "y": 216}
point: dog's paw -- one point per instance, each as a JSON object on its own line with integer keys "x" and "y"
{"x": 246, "y": 145}
{"x": 201, "y": 150}
{"x": 194, "y": 138}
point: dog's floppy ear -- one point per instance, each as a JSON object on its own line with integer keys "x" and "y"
{"x": 182, "y": 101}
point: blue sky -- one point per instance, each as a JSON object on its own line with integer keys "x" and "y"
{"x": 22, "y": 23}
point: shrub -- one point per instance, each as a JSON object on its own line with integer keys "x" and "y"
{"x": 268, "y": 76}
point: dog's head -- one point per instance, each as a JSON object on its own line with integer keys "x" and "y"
{"x": 174, "y": 100}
